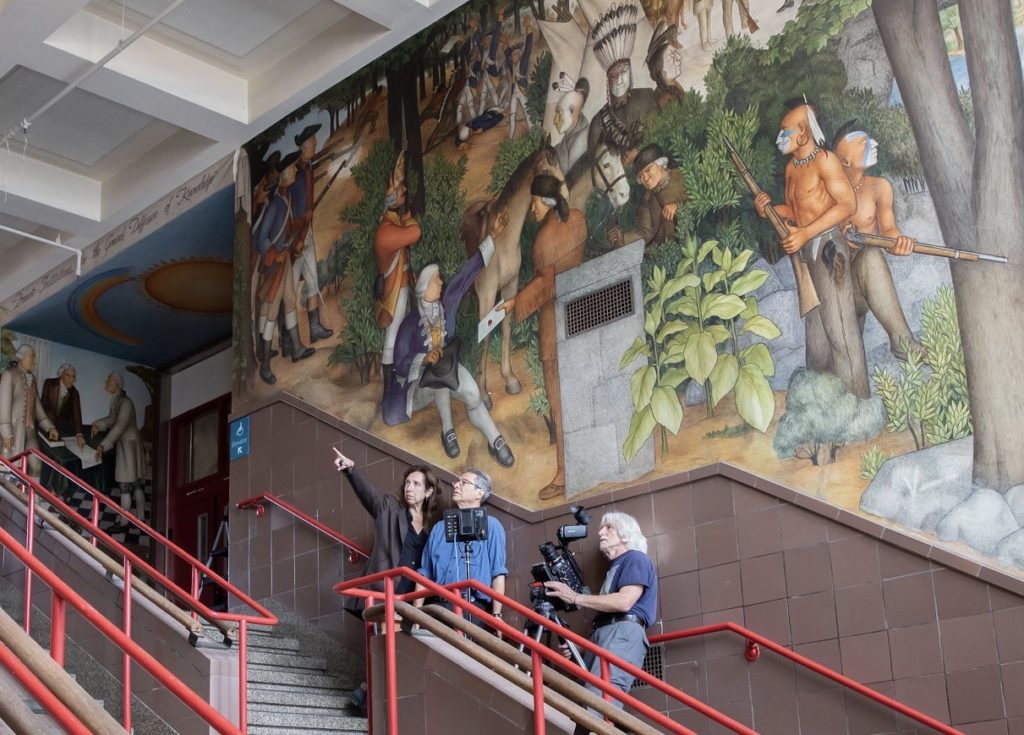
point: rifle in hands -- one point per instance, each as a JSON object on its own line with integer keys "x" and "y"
{"x": 888, "y": 243}
{"x": 806, "y": 293}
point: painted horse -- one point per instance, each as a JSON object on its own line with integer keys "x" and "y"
{"x": 503, "y": 217}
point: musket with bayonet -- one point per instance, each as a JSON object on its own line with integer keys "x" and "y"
{"x": 889, "y": 243}
{"x": 805, "y": 291}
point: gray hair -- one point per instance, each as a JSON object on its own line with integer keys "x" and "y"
{"x": 424, "y": 278}
{"x": 66, "y": 368}
{"x": 628, "y": 529}
{"x": 22, "y": 352}
{"x": 118, "y": 380}
{"x": 483, "y": 482}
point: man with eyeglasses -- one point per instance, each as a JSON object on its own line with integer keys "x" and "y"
{"x": 444, "y": 561}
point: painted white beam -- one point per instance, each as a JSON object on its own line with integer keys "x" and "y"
{"x": 50, "y": 186}
{"x": 393, "y": 13}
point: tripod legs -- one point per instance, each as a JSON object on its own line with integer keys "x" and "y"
{"x": 535, "y": 631}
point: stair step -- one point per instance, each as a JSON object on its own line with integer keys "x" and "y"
{"x": 272, "y": 658}
{"x": 304, "y": 722}
{"x": 272, "y": 730}
{"x": 299, "y": 677}
{"x": 310, "y": 696}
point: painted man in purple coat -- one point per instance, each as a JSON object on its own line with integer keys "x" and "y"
{"x": 427, "y": 364}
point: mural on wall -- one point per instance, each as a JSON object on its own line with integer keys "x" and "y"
{"x": 167, "y": 269}
{"x": 583, "y": 242}
{"x": 83, "y": 410}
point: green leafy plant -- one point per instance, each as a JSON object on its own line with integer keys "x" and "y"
{"x": 871, "y": 461}
{"x": 928, "y": 394}
{"x": 361, "y": 339}
{"x": 822, "y": 416}
{"x": 537, "y": 91}
{"x": 699, "y": 325}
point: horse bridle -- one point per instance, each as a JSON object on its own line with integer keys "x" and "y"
{"x": 607, "y": 184}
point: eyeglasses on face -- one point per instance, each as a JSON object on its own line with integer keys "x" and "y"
{"x": 461, "y": 481}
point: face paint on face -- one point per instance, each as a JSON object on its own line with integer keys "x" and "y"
{"x": 786, "y": 140}
{"x": 870, "y": 153}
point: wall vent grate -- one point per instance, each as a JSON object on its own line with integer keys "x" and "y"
{"x": 598, "y": 308}
{"x": 654, "y": 664}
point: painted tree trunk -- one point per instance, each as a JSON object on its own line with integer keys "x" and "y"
{"x": 977, "y": 186}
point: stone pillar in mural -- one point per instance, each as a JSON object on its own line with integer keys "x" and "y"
{"x": 599, "y": 313}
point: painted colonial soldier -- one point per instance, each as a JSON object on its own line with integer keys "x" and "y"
{"x": 427, "y": 366}
{"x": 275, "y": 285}
{"x": 664, "y": 192}
{"x": 21, "y": 412}
{"x": 302, "y": 245}
{"x": 397, "y": 232}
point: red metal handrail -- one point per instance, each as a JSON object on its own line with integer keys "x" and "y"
{"x": 189, "y": 599}
{"x": 755, "y": 640}
{"x": 257, "y": 503}
{"x": 538, "y": 650}
{"x": 137, "y": 653}
{"x": 39, "y": 692}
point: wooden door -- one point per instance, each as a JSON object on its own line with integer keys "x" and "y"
{"x": 198, "y": 490}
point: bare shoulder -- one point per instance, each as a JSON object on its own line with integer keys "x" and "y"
{"x": 880, "y": 187}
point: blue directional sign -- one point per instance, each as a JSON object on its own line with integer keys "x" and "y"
{"x": 240, "y": 438}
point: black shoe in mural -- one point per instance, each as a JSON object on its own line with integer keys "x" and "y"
{"x": 299, "y": 351}
{"x": 265, "y": 354}
{"x": 450, "y": 443}
{"x": 785, "y": 6}
{"x": 501, "y": 452}
{"x": 317, "y": 331}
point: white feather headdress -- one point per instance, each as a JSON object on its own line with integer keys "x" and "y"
{"x": 615, "y": 33}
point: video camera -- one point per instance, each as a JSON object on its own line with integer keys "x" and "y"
{"x": 560, "y": 564}
{"x": 465, "y": 524}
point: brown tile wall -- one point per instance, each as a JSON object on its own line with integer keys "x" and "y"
{"x": 909, "y": 620}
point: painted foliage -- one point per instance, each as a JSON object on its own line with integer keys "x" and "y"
{"x": 585, "y": 242}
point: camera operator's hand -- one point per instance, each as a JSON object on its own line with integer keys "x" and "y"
{"x": 562, "y": 591}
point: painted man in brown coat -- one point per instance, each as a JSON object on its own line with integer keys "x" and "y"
{"x": 21, "y": 412}
{"x": 557, "y": 248}
{"x": 63, "y": 404}
{"x": 665, "y": 193}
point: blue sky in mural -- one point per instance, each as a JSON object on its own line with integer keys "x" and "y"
{"x": 162, "y": 299}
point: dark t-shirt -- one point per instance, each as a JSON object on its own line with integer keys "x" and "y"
{"x": 412, "y": 552}
{"x": 635, "y": 567}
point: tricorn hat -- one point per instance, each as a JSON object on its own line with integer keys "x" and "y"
{"x": 287, "y": 161}
{"x": 649, "y": 154}
{"x": 308, "y": 132}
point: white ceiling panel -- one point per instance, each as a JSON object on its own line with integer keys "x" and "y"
{"x": 82, "y": 127}
{"x": 235, "y": 27}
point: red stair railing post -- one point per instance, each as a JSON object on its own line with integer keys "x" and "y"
{"x": 389, "y": 643}
{"x": 127, "y": 660}
{"x": 30, "y": 536}
{"x": 57, "y": 617}
{"x": 243, "y": 677}
{"x": 539, "y": 723}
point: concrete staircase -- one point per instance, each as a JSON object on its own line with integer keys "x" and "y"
{"x": 292, "y": 693}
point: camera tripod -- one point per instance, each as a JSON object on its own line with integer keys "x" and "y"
{"x": 543, "y": 607}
